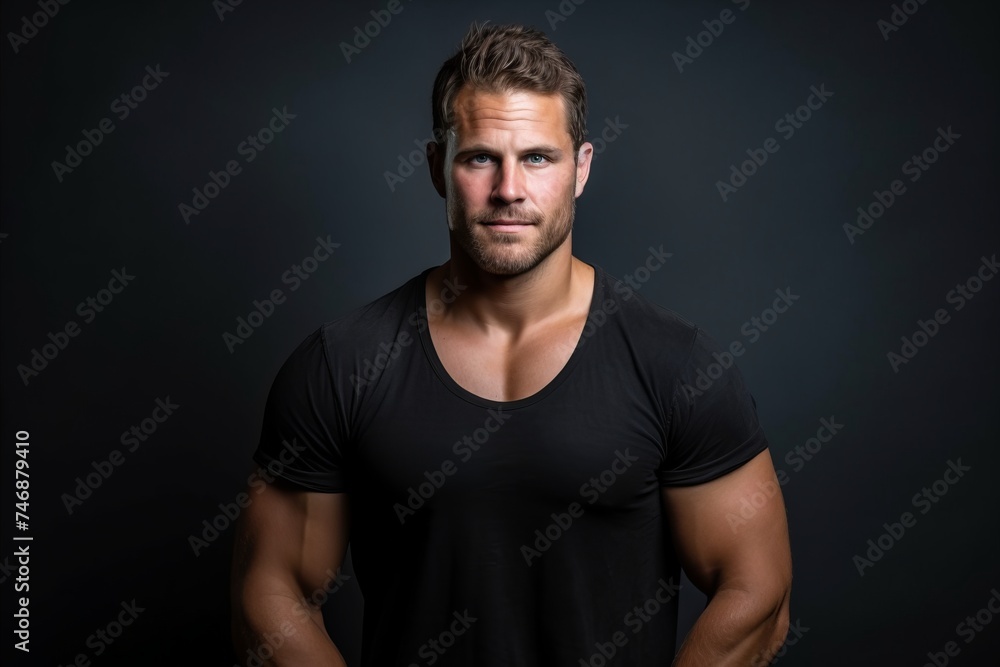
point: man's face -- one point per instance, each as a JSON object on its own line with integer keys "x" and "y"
{"x": 510, "y": 178}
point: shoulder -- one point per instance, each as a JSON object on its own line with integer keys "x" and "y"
{"x": 671, "y": 346}
{"x": 649, "y": 326}
{"x": 385, "y": 312}
{"x": 379, "y": 319}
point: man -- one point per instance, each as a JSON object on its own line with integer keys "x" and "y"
{"x": 512, "y": 442}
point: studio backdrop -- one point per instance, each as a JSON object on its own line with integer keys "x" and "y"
{"x": 191, "y": 188}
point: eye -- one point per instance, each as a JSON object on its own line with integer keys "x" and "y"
{"x": 475, "y": 159}
{"x": 541, "y": 158}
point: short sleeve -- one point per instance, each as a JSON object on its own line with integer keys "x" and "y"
{"x": 713, "y": 427}
{"x": 301, "y": 434}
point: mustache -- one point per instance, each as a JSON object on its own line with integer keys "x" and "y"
{"x": 507, "y": 214}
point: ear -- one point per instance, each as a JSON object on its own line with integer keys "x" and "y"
{"x": 435, "y": 162}
{"x": 583, "y": 158}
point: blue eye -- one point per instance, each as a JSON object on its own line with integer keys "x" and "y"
{"x": 536, "y": 155}
{"x": 475, "y": 158}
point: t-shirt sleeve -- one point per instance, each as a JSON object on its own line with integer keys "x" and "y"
{"x": 301, "y": 436}
{"x": 713, "y": 427}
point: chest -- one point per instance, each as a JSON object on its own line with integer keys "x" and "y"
{"x": 596, "y": 438}
{"x": 498, "y": 369}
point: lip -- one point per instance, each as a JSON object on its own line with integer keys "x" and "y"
{"x": 514, "y": 226}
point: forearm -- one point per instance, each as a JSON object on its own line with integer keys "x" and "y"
{"x": 736, "y": 628}
{"x": 280, "y": 631}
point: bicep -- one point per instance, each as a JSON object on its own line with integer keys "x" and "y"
{"x": 732, "y": 531}
{"x": 287, "y": 542}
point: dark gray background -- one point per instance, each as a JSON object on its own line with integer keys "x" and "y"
{"x": 655, "y": 184}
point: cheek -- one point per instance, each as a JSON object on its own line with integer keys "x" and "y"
{"x": 469, "y": 186}
{"x": 553, "y": 186}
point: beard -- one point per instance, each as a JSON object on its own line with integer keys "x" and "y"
{"x": 510, "y": 253}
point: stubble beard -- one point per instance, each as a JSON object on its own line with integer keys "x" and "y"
{"x": 510, "y": 254}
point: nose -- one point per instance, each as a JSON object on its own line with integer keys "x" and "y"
{"x": 510, "y": 183}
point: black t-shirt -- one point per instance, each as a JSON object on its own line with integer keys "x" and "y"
{"x": 527, "y": 532}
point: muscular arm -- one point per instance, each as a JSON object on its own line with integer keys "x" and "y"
{"x": 286, "y": 543}
{"x": 741, "y": 562}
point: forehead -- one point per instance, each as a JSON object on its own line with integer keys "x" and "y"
{"x": 483, "y": 115}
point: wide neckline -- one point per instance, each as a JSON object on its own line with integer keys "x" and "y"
{"x": 430, "y": 352}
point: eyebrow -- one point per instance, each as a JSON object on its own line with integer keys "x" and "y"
{"x": 480, "y": 148}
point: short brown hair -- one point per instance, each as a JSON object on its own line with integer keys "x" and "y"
{"x": 506, "y": 58}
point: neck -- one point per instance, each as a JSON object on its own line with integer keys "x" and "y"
{"x": 513, "y": 304}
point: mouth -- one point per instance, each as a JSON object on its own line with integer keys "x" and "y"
{"x": 506, "y": 225}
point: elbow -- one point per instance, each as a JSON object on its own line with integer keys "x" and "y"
{"x": 775, "y": 632}
{"x": 779, "y": 632}
{"x": 782, "y": 615}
